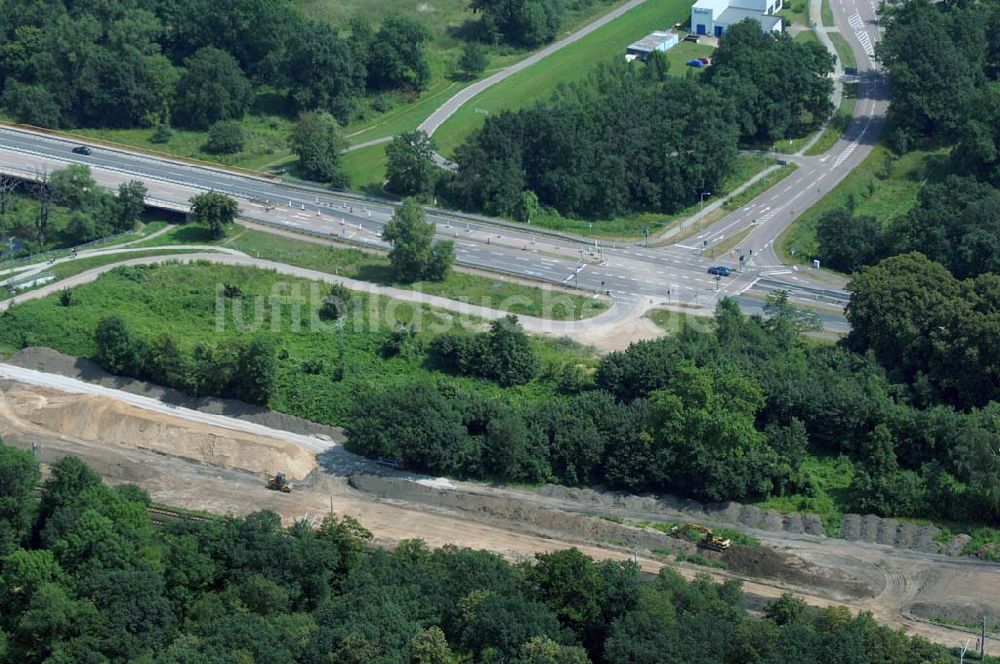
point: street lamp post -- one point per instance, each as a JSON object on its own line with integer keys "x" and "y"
{"x": 701, "y": 211}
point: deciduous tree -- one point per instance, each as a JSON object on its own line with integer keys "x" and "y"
{"x": 317, "y": 141}
{"x": 215, "y": 210}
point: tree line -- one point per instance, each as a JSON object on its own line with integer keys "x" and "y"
{"x": 193, "y": 64}
{"x": 730, "y": 414}
{"x": 943, "y": 61}
{"x": 85, "y": 577}
{"x": 527, "y": 23}
{"x": 631, "y": 138}
{"x": 67, "y": 207}
{"x": 233, "y": 368}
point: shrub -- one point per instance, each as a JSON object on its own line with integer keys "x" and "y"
{"x": 226, "y": 137}
{"x": 162, "y": 134}
{"x": 337, "y": 303}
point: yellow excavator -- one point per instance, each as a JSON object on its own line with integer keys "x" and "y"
{"x": 279, "y": 483}
{"x": 708, "y": 539}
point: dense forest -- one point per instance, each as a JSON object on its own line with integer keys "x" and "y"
{"x": 943, "y": 61}
{"x": 144, "y": 63}
{"x": 730, "y": 414}
{"x": 194, "y": 63}
{"x": 631, "y": 138}
{"x": 85, "y": 577}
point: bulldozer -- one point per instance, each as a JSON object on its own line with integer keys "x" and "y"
{"x": 708, "y": 540}
{"x": 279, "y": 483}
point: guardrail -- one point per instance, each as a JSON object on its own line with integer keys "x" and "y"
{"x": 823, "y": 292}
{"x": 80, "y": 138}
{"x": 38, "y": 279}
{"x": 54, "y": 253}
{"x": 315, "y": 189}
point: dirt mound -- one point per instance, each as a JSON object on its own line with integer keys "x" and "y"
{"x": 764, "y": 562}
{"x": 552, "y": 522}
{"x": 671, "y": 507}
{"x": 898, "y": 534}
{"x": 541, "y": 520}
{"x": 113, "y": 422}
{"x": 54, "y": 362}
{"x": 966, "y": 613}
{"x": 855, "y": 527}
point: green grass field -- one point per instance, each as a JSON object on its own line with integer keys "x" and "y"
{"x": 182, "y": 299}
{"x": 267, "y": 143}
{"x": 439, "y": 17}
{"x": 569, "y": 64}
{"x": 75, "y": 267}
{"x": 673, "y": 322}
{"x": 795, "y": 12}
{"x": 684, "y": 51}
{"x": 844, "y": 52}
{"x": 807, "y": 36}
{"x": 872, "y": 190}
{"x": 494, "y": 292}
{"x": 826, "y": 14}
{"x": 366, "y": 169}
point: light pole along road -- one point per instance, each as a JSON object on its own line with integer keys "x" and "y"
{"x": 636, "y": 277}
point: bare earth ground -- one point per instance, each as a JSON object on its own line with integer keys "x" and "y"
{"x": 199, "y": 461}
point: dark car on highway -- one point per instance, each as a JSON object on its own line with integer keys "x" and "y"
{"x": 81, "y": 149}
{"x": 720, "y": 271}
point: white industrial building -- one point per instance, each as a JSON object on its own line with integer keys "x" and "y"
{"x": 655, "y": 42}
{"x": 713, "y": 17}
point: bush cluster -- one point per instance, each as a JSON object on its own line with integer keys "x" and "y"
{"x": 234, "y": 368}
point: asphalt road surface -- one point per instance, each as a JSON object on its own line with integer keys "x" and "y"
{"x": 635, "y": 276}
{"x": 770, "y": 213}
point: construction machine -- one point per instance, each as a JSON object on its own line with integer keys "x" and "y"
{"x": 279, "y": 483}
{"x": 708, "y": 539}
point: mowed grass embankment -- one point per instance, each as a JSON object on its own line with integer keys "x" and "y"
{"x": 826, "y": 14}
{"x": 495, "y": 292}
{"x": 182, "y": 300}
{"x": 266, "y": 143}
{"x": 445, "y": 21}
{"x": 844, "y": 52}
{"x": 569, "y": 64}
{"x": 366, "y": 168}
{"x": 883, "y": 185}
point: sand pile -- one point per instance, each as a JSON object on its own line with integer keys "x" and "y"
{"x": 99, "y": 419}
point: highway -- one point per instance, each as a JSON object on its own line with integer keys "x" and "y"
{"x": 630, "y": 273}
{"x": 636, "y": 277}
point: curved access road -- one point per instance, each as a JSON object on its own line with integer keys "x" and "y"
{"x": 761, "y": 222}
{"x": 459, "y": 99}
{"x": 610, "y": 330}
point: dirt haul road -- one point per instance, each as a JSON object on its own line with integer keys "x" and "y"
{"x": 215, "y": 463}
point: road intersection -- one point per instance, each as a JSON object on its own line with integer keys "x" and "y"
{"x": 636, "y": 277}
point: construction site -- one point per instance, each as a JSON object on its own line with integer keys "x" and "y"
{"x": 223, "y": 457}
